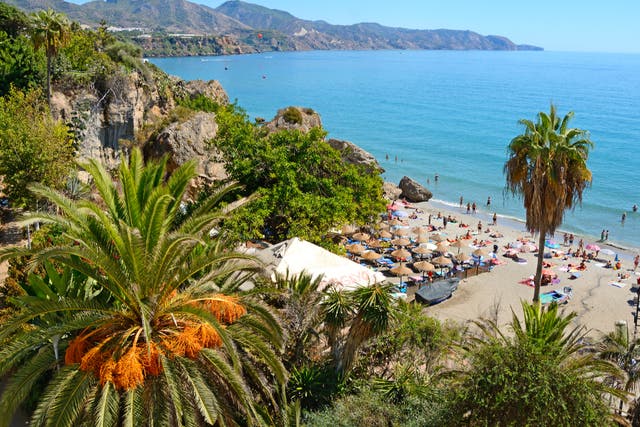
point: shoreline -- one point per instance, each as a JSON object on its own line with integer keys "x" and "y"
{"x": 628, "y": 252}
{"x": 600, "y": 298}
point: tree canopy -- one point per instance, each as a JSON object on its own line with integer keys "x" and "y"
{"x": 547, "y": 166}
{"x": 304, "y": 187}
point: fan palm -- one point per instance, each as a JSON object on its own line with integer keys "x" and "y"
{"x": 547, "y": 165}
{"x": 625, "y": 353}
{"x": 544, "y": 374}
{"x": 51, "y": 30}
{"x": 174, "y": 344}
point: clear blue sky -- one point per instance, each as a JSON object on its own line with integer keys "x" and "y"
{"x": 590, "y": 25}
{"x": 570, "y": 25}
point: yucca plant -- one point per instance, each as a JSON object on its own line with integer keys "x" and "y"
{"x": 174, "y": 344}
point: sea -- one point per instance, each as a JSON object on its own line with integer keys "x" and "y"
{"x": 453, "y": 113}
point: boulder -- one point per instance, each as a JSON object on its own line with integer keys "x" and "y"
{"x": 414, "y": 192}
{"x": 188, "y": 140}
{"x": 211, "y": 89}
{"x": 302, "y": 119}
{"x": 391, "y": 191}
{"x": 353, "y": 154}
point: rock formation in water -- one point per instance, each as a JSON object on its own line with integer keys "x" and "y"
{"x": 414, "y": 192}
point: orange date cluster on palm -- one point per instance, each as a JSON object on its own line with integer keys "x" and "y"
{"x": 127, "y": 365}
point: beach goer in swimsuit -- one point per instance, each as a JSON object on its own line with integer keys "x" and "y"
{"x": 468, "y": 207}
{"x": 473, "y": 207}
{"x": 495, "y": 218}
{"x": 461, "y": 201}
{"x": 636, "y": 261}
{"x": 479, "y": 226}
{"x": 635, "y": 208}
{"x": 624, "y": 216}
{"x": 489, "y": 201}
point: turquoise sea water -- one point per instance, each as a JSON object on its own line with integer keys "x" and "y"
{"x": 453, "y": 113}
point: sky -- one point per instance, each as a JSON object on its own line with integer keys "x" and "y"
{"x": 570, "y": 25}
{"x": 556, "y": 25}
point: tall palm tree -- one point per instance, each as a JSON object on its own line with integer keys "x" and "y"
{"x": 52, "y": 31}
{"x": 547, "y": 165}
{"x": 174, "y": 344}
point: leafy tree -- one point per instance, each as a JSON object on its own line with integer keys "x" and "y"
{"x": 12, "y": 20}
{"x": 20, "y": 66}
{"x": 304, "y": 186}
{"x": 174, "y": 344}
{"x": 542, "y": 375}
{"x": 547, "y": 165}
{"x": 50, "y": 30}
{"x": 33, "y": 147}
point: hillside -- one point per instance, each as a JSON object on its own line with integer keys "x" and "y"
{"x": 180, "y": 27}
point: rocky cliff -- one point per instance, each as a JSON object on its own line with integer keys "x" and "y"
{"x": 106, "y": 120}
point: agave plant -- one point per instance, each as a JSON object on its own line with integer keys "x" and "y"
{"x": 173, "y": 344}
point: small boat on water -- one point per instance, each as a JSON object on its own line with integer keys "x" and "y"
{"x": 437, "y": 291}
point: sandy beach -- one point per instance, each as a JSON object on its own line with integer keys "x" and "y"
{"x": 597, "y": 302}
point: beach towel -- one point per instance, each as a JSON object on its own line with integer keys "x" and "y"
{"x": 600, "y": 264}
{"x": 618, "y": 284}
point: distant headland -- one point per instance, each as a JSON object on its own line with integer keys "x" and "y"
{"x": 183, "y": 28}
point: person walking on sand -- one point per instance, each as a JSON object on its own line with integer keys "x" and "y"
{"x": 571, "y": 239}
{"x": 473, "y": 208}
{"x": 636, "y": 261}
{"x": 479, "y": 226}
{"x": 565, "y": 239}
{"x": 580, "y": 245}
{"x": 495, "y": 218}
{"x": 468, "y": 207}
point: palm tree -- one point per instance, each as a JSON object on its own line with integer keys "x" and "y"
{"x": 174, "y": 344}
{"x": 617, "y": 347}
{"x": 366, "y": 311}
{"x": 51, "y": 30}
{"x": 547, "y": 165}
{"x": 543, "y": 374}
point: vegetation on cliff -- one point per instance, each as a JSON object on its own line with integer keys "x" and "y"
{"x": 304, "y": 188}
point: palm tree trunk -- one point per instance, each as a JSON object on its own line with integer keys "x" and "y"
{"x": 49, "y": 80}
{"x": 537, "y": 282}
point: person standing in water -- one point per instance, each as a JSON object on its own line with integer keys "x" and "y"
{"x": 435, "y": 177}
{"x": 624, "y": 216}
{"x": 488, "y": 201}
{"x": 461, "y": 199}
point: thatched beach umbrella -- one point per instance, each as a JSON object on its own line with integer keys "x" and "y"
{"x": 384, "y": 234}
{"x": 348, "y": 229}
{"x": 424, "y": 266}
{"x": 462, "y": 257}
{"x": 401, "y": 232}
{"x": 437, "y": 237}
{"x": 458, "y": 244}
{"x": 401, "y": 254}
{"x": 401, "y": 242}
{"x": 360, "y": 237}
{"x": 374, "y": 243}
{"x": 421, "y": 250}
{"x": 422, "y": 238}
{"x": 442, "y": 261}
{"x": 442, "y": 247}
{"x": 401, "y": 270}
{"x": 371, "y": 255}
{"x": 356, "y": 248}
{"x": 420, "y": 230}
{"x": 480, "y": 253}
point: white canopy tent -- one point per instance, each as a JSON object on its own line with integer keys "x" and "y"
{"x": 295, "y": 256}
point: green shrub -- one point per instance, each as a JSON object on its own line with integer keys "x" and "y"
{"x": 292, "y": 115}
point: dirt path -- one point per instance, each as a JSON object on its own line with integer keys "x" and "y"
{"x": 10, "y": 234}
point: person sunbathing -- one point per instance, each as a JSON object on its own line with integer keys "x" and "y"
{"x": 582, "y": 266}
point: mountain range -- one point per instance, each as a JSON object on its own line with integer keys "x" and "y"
{"x": 248, "y": 27}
